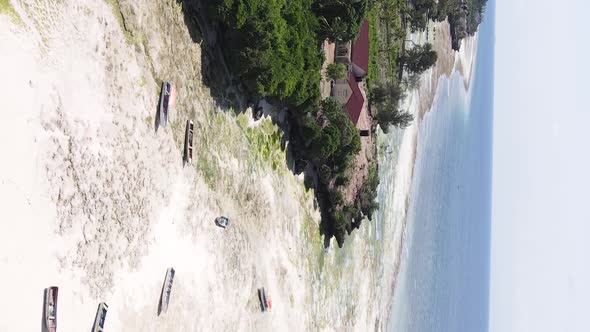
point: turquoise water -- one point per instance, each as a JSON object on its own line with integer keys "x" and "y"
{"x": 444, "y": 278}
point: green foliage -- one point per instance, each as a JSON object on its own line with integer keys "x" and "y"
{"x": 340, "y": 225}
{"x": 342, "y": 180}
{"x": 349, "y": 143}
{"x": 272, "y": 47}
{"x": 386, "y": 33}
{"x": 390, "y": 115}
{"x": 7, "y": 8}
{"x": 328, "y": 136}
{"x": 336, "y": 197}
{"x": 339, "y": 19}
{"x": 325, "y": 173}
{"x": 368, "y": 195}
{"x": 419, "y": 58}
{"x": 336, "y": 71}
{"x": 412, "y": 81}
{"x": 388, "y": 93}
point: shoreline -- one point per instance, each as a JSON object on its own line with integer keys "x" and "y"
{"x": 420, "y": 102}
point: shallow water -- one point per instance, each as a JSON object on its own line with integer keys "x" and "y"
{"x": 443, "y": 283}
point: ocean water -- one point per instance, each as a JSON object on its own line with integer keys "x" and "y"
{"x": 443, "y": 283}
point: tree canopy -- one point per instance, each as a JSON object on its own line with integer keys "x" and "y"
{"x": 336, "y": 71}
{"x": 340, "y": 19}
{"x": 419, "y": 58}
{"x": 272, "y": 46}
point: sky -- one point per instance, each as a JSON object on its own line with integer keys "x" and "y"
{"x": 540, "y": 252}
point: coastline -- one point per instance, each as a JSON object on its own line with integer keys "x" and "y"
{"x": 419, "y": 102}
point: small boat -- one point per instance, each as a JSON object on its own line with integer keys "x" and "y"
{"x": 101, "y": 314}
{"x": 167, "y": 99}
{"x": 222, "y": 222}
{"x": 265, "y": 301}
{"x": 188, "y": 142}
{"x": 166, "y": 290}
{"x": 51, "y": 308}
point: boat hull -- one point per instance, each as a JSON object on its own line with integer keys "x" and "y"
{"x": 188, "y": 142}
{"x": 166, "y": 291}
{"x": 165, "y": 99}
{"x": 50, "y": 309}
{"x": 101, "y": 314}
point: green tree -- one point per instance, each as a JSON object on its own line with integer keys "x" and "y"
{"x": 274, "y": 47}
{"x": 387, "y": 93}
{"x": 368, "y": 195}
{"x": 390, "y": 115}
{"x": 419, "y": 58}
{"x": 350, "y": 141}
{"x": 340, "y": 19}
{"x": 336, "y": 71}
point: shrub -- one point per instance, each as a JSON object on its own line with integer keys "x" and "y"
{"x": 336, "y": 71}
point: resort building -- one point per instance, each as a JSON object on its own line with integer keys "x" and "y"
{"x": 350, "y": 92}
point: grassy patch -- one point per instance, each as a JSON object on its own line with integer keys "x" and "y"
{"x": 311, "y": 234}
{"x": 119, "y": 16}
{"x": 7, "y": 9}
{"x": 265, "y": 143}
{"x": 373, "y": 18}
{"x": 386, "y": 36}
{"x": 228, "y": 151}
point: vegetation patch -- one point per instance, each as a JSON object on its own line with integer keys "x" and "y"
{"x": 6, "y": 8}
{"x": 265, "y": 143}
{"x": 120, "y": 18}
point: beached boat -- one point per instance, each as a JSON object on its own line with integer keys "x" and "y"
{"x": 188, "y": 142}
{"x": 222, "y": 222}
{"x": 166, "y": 290}
{"x": 101, "y": 314}
{"x": 265, "y": 301}
{"x": 166, "y": 99}
{"x": 50, "y": 311}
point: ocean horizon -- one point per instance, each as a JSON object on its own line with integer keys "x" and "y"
{"x": 443, "y": 283}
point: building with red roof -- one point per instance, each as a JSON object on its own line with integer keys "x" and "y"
{"x": 360, "y": 52}
{"x": 356, "y": 57}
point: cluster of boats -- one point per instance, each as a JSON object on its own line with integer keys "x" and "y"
{"x": 167, "y": 99}
{"x": 50, "y": 304}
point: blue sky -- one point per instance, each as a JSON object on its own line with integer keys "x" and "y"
{"x": 540, "y": 255}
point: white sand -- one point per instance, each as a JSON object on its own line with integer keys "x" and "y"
{"x": 98, "y": 204}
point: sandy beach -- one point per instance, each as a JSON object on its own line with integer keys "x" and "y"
{"x": 97, "y": 202}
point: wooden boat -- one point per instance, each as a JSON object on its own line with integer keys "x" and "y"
{"x": 50, "y": 311}
{"x": 101, "y": 314}
{"x": 188, "y": 142}
{"x": 167, "y": 97}
{"x": 166, "y": 290}
{"x": 265, "y": 301}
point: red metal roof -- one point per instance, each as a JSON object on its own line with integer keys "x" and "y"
{"x": 360, "y": 48}
{"x": 354, "y": 106}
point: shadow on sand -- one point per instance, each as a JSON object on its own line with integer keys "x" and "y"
{"x": 226, "y": 90}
